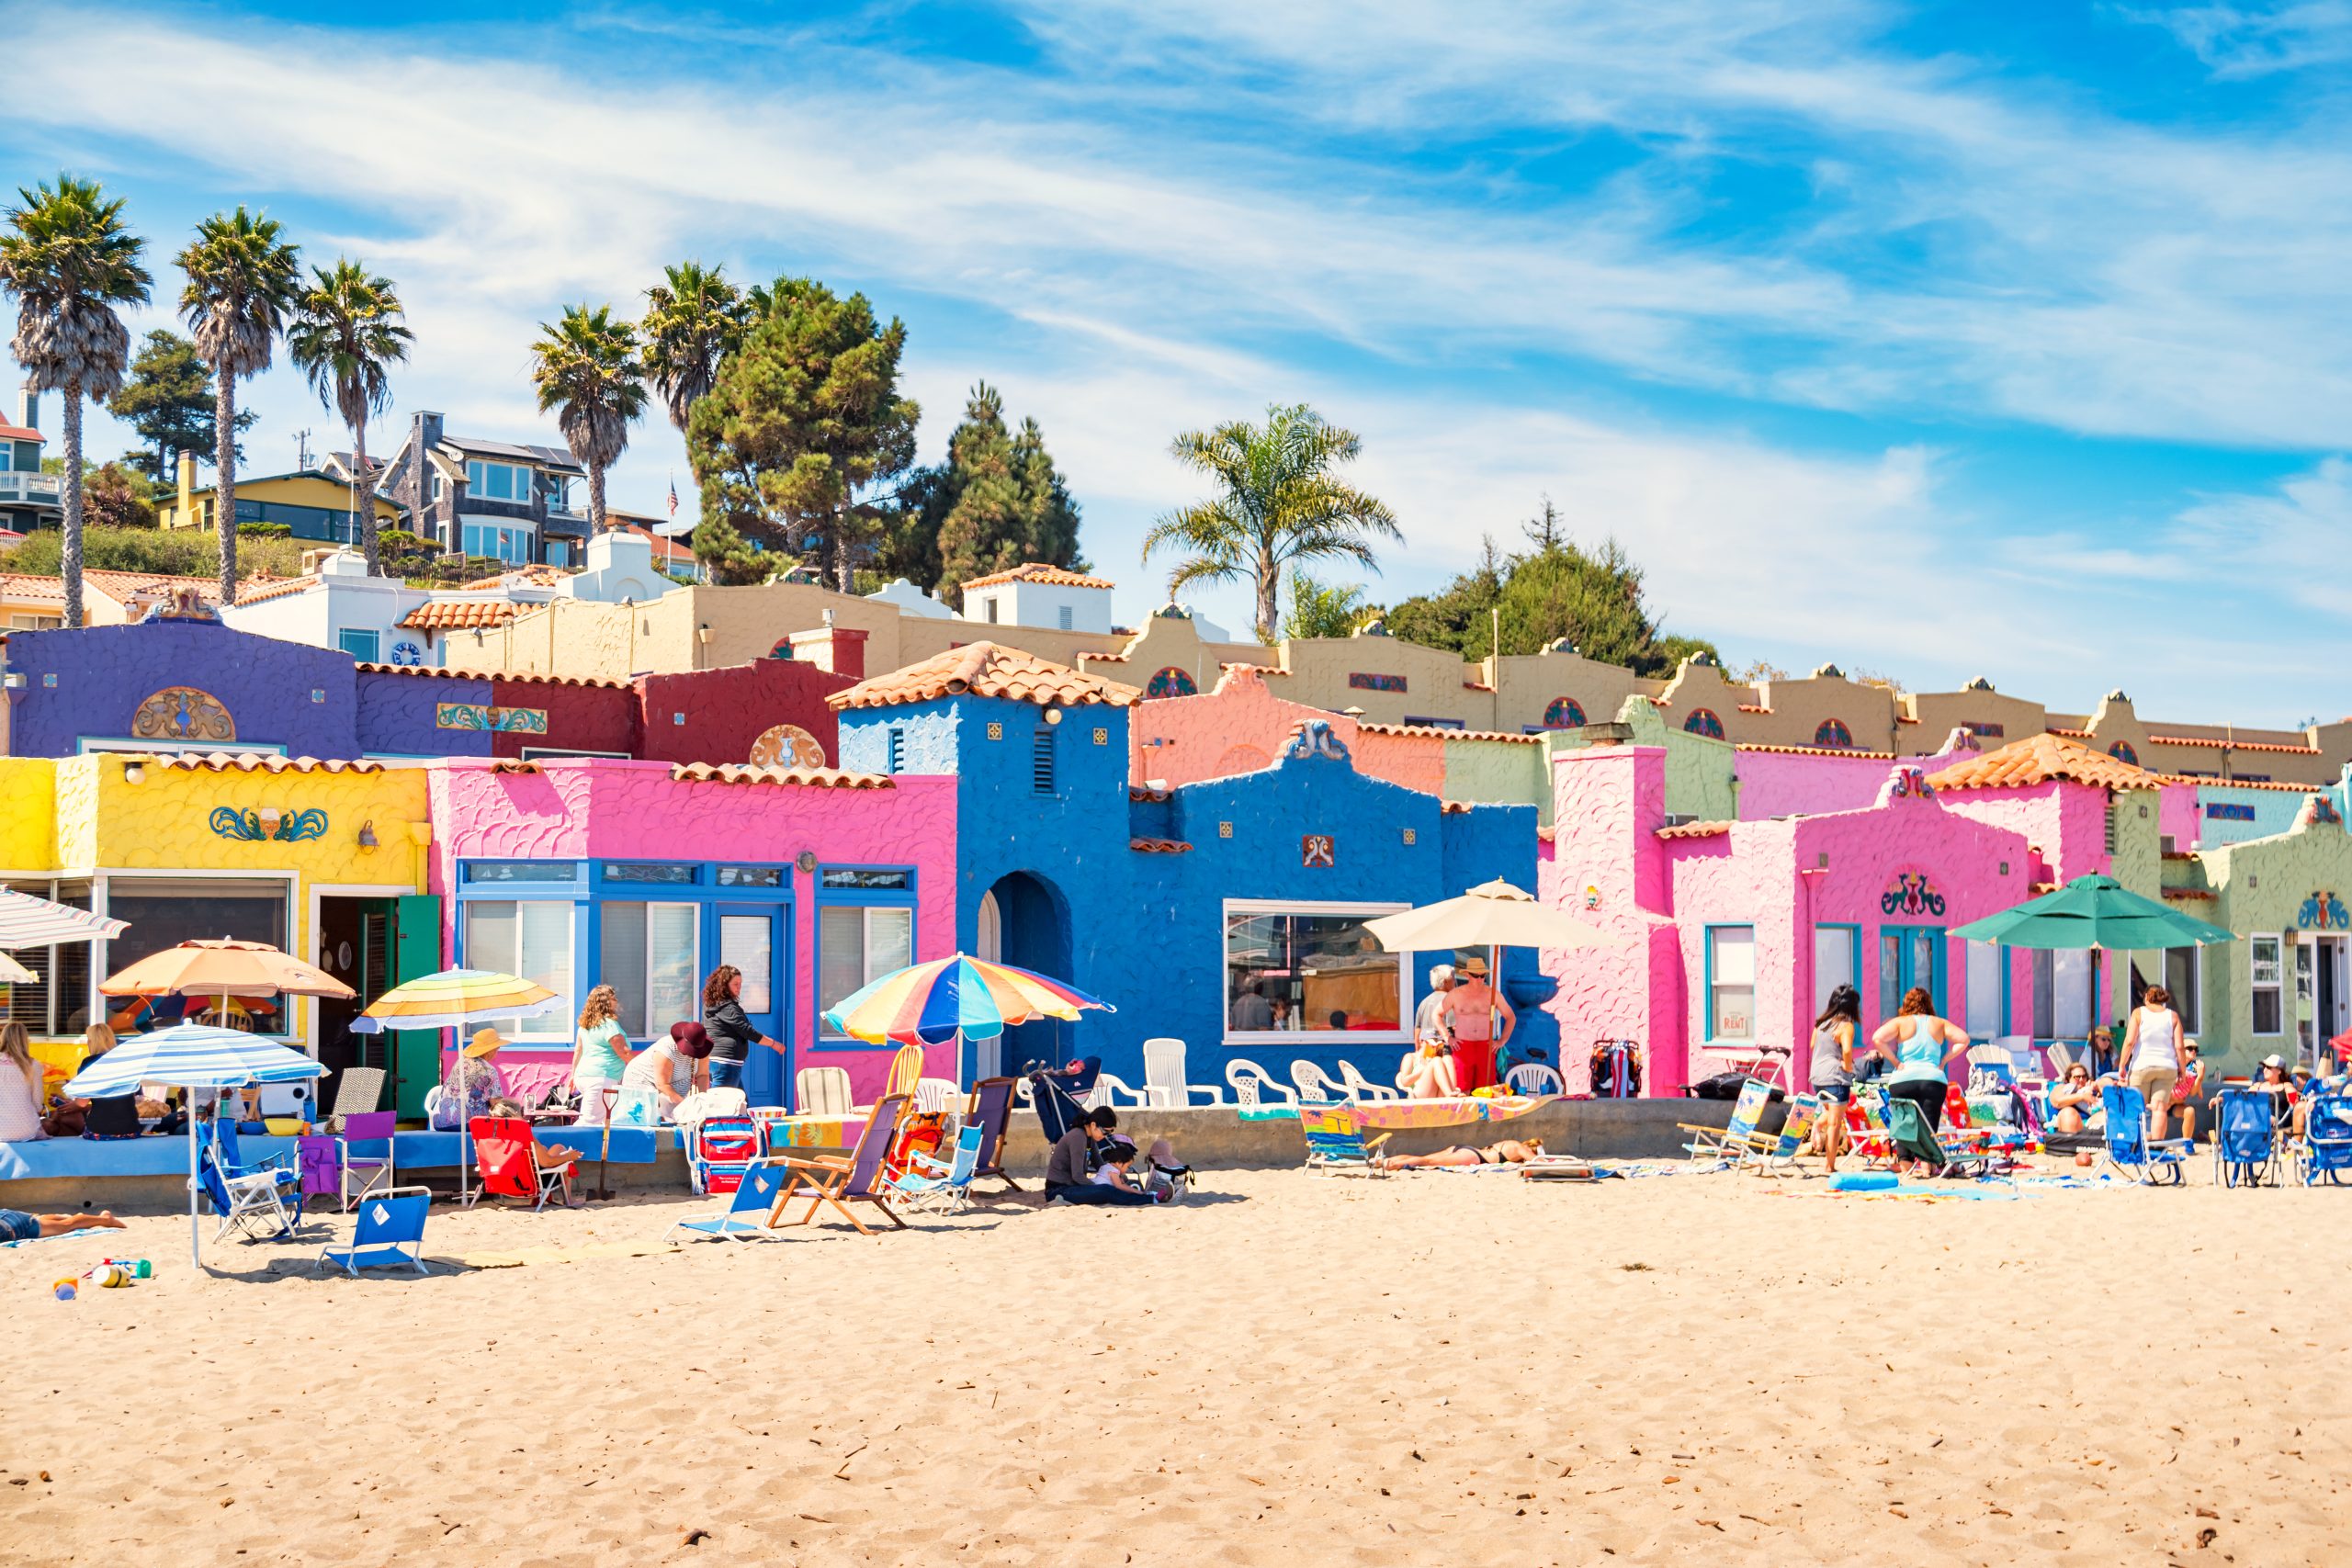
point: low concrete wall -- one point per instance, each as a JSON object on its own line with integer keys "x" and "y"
{"x": 164, "y": 1194}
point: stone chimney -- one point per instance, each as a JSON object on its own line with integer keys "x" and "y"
{"x": 424, "y": 431}
{"x": 187, "y": 489}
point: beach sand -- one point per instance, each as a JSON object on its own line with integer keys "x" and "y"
{"x": 1442, "y": 1369}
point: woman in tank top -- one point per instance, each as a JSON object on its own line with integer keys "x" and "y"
{"x": 2151, "y": 1058}
{"x": 1833, "y": 1068}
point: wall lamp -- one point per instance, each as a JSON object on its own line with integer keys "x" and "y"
{"x": 1053, "y": 716}
{"x": 367, "y": 837}
{"x": 133, "y": 771}
{"x": 702, "y": 631}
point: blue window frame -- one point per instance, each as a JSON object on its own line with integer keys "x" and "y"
{"x": 1730, "y": 1000}
{"x": 866, "y": 928}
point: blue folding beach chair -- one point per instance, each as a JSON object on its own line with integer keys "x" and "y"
{"x": 2327, "y": 1139}
{"x": 2152, "y": 1162}
{"x": 282, "y": 1168}
{"x": 1335, "y": 1141}
{"x": 2245, "y": 1139}
{"x": 257, "y": 1201}
{"x": 746, "y": 1214}
{"x": 390, "y": 1234}
{"x": 932, "y": 1188}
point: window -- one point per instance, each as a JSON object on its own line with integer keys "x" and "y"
{"x": 1731, "y": 983}
{"x": 857, "y": 943}
{"x": 1062, "y": 617}
{"x": 2264, "y": 971}
{"x": 672, "y": 874}
{"x": 34, "y": 622}
{"x": 988, "y": 605}
{"x": 498, "y": 543}
{"x": 2184, "y": 975}
{"x": 2061, "y": 995}
{"x": 1836, "y": 962}
{"x": 1983, "y": 969}
{"x": 871, "y": 881}
{"x": 361, "y": 645}
{"x": 1310, "y": 968}
{"x": 558, "y": 496}
{"x": 57, "y": 1001}
{"x": 1041, "y": 760}
{"x": 165, "y": 911}
{"x": 897, "y": 748}
{"x": 751, "y": 877}
{"x": 748, "y": 941}
{"x": 530, "y": 938}
{"x": 559, "y": 552}
{"x": 648, "y": 957}
{"x": 438, "y": 484}
{"x": 499, "y": 481}
{"x": 479, "y": 871}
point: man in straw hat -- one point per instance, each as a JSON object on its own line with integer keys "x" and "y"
{"x": 1480, "y": 1021}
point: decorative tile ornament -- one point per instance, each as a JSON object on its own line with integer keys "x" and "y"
{"x": 2123, "y": 752}
{"x": 1911, "y": 893}
{"x": 1317, "y": 738}
{"x": 482, "y": 715}
{"x": 1317, "y": 851}
{"x": 1170, "y": 681}
{"x": 183, "y": 713}
{"x": 1702, "y": 721}
{"x": 252, "y": 827}
{"x": 2324, "y": 912}
{"x": 1563, "y": 713}
{"x": 787, "y": 746}
{"x": 1832, "y": 736}
{"x": 1362, "y": 681}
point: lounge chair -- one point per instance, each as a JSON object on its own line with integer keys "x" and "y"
{"x": 2152, "y": 1162}
{"x": 508, "y": 1158}
{"x": 2326, "y": 1149}
{"x": 992, "y": 1114}
{"x": 281, "y": 1171}
{"x": 2245, "y": 1139}
{"x": 369, "y": 1129}
{"x": 1730, "y": 1146}
{"x": 390, "y": 1233}
{"x": 1532, "y": 1077}
{"x": 933, "y": 1187}
{"x": 1335, "y": 1141}
{"x": 746, "y": 1211}
{"x": 860, "y": 1179}
{"x": 1795, "y": 1138}
{"x": 1164, "y": 1079}
{"x": 246, "y": 1203}
{"x": 1361, "y": 1088}
{"x": 357, "y": 1091}
{"x": 823, "y": 1091}
{"x": 1315, "y": 1084}
{"x": 1251, "y": 1084}
{"x": 1915, "y": 1140}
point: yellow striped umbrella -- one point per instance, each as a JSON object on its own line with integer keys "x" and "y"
{"x": 448, "y": 1000}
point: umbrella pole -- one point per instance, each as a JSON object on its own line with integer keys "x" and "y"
{"x": 195, "y": 1228}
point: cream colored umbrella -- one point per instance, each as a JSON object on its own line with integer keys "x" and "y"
{"x": 15, "y": 974}
{"x": 1493, "y": 914}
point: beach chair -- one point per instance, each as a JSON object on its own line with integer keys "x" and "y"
{"x": 929, "y": 1187}
{"x": 823, "y": 1091}
{"x": 860, "y": 1179}
{"x": 719, "y": 1150}
{"x": 2245, "y": 1139}
{"x": 1533, "y": 1077}
{"x": 390, "y": 1233}
{"x": 2152, "y": 1162}
{"x": 255, "y": 1203}
{"x": 281, "y": 1171}
{"x": 1164, "y": 1078}
{"x": 367, "y": 1129}
{"x": 1796, "y": 1136}
{"x": 357, "y": 1092}
{"x": 992, "y": 1114}
{"x": 508, "y": 1160}
{"x": 2326, "y": 1148}
{"x": 1361, "y": 1088}
{"x": 1335, "y": 1141}
{"x": 1315, "y": 1084}
{"x": 744, "y": 1216}
{"x": 1730, "y": 1146}
{"x": 1915, "y": 1140}
{"x": 1253, "y": 1084}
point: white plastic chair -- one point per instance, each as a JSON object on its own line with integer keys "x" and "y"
{"x": 1251, "y": 1081}
{"x": 1164, "y": 1077}
{"x": 1532, "y": 1077}
{"x": 1361, "y": 1088}
{"x": 1107, "y": 1086}
{"x": 822, "y": 1091}
{"x": 1314, "y": 1083}
{"x": 942, "y": 1094}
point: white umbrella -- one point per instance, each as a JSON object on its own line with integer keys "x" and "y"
{"x": 191, "y": 1055}
{"x": 15, "y": 974}
{"x": 28, "y": 921}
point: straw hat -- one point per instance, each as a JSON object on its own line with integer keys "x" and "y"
{"x": 1474, "y": 967}
{"x": 484, "y": 1042}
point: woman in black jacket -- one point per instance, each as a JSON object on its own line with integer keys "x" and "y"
{"x": 731, "y": 1034}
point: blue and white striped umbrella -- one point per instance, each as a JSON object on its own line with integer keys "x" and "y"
{"x": 191, "y": 1055}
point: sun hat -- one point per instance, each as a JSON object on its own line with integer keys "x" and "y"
{"x": 692, "y": 1040}
{"x": 2273, "y": 1060}
{"x": 1477, "y": 967}
{"x": 484, "y": 1042}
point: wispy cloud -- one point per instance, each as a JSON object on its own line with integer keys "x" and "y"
{"x": 2241, "y": 42}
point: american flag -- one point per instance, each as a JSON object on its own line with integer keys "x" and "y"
{"x": 673, "y": 495}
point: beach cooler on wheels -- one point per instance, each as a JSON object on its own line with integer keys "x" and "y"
{"x": 723, "y": 1148}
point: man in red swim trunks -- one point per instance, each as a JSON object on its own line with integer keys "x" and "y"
{"x": 1472, "y": 1010}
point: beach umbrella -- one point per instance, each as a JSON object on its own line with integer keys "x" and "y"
{"x": 954, "y": 999}
{"x": 15, "y": 974}
{"x": 2096, "y": 913}
{"x": 191, "y": 1055}
{"x": 28, "y": 921}
{"x": 445, "y": 1000}
{"x": 222, "y": 968}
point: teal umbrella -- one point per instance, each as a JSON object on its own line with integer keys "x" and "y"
{"x": 2094, "y": 912}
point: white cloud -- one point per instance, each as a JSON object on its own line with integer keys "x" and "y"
{"x": 2240, "y": 41}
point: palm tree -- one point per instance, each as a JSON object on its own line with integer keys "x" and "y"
{"x": 69, "y": 263}
{"x": 691, "y": 321}
{"x": 588, "y": 375}
{"x": 1277, "y": 502}
{"x": 240, "y": 283}
{"x": 347, "y": 334}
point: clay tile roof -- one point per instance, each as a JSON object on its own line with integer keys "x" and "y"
{"x": 2232, "y": 745}
{"x": 985, "y": 670}
{"x": 1696, "y": 830}
{"x": 1140, "y": 792}
{"x": 1037, "y": 572}
{"x": 449, "y": 614}
{"x": 2039, "y": 758}
{"x": 19, "y": 432}
{"x": 265, "y": 762}
{"x": 509, "y": 765}
{"x": 745, "y": 773}
{"x": 1754, "y": 707}
{"x": 2071, "y": 734}
{"x": 1813, "y": 750}
{"x": 443, "y": 672}
{"x": 255, "y": 591}
{"x": 1368, "y": 726}
{"x": 1159, "y": 846}
{"x": 2259, "y": 783}
{"x": 523, "y": 576}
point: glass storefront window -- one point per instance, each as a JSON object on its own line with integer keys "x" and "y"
{"x": 648, "y": 958}
{"x": 165, "y": 911}
{"x": 1310, "y": 968}
{"x": 857, "y": 944}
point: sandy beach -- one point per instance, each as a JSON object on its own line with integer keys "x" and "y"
{"x": 1440, "y": 1368}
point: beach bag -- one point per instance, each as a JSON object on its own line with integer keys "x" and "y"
{"x": 1726, "y": 1086}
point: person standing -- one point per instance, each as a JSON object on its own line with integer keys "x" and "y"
{"x": 1919, "y": 1045}
{"x": 732, "y": 1033}
{"x": 21, "y": 1083}
{"x": 1429, "y": 1018}
{"x": 2151, "y": 1056}
{"x": 600, "y": 1052}
{"x": 1473, "y": 1009}
{"x": 1832, "y": 1067}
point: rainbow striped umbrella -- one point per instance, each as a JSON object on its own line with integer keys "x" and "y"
{"x": 448, "y": 1000}
{"x": 931, "y": 1004}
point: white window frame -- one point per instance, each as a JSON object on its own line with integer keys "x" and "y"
{"x": 478, "y": 470}
{"x": 1296, "y": 1038}
{"x": 2276, "y": 985}
{"x": 549, "y": 1027}
{"x": 1974, "y": 1007}
{"x": 825, "y": 1032}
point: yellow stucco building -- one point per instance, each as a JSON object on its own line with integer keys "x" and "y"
{"x": 311, "y": 504}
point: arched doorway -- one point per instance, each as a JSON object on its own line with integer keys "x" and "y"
{"x": 1024, "y": 920}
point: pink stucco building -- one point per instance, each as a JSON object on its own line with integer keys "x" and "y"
{"x": 648, "y": 876}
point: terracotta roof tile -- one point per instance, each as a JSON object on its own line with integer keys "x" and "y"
{"x": 273, "y": 588}
{"x": 523, "y": 576}
{"x": 1369, "y": 728}
{"x": 1813, "y": 750}
{"x": 1159, "y": 846}
{"x": 19, "y": 432}
{"x": 1696, "y": 830}
{"x": 2189, "y": 893}
{"x": 1039, "y": 572}
{"x": 119, "y": 586}
{"x": 745, "y": 773}
{"x": 1144, "y": 791}
{"x": 265, "y": 762}
{"x": 453, "y": 614}
{"x": 2071, "y": 734}
{"x": 2256, "y": 784}
{"x": 2040, "y": 758}
{"x": 437, "y": 672}
{"x": 1754, "y": 707}
{"x": 2232, "y": 745}
{"x": 986, "y": 669}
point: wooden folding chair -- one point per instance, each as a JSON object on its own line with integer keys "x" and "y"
{"x": 860, "y": 1179}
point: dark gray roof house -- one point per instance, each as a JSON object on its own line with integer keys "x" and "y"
{"x": 514, "y": 501}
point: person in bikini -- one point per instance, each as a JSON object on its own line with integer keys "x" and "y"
{"x": 1510, "y": 1151}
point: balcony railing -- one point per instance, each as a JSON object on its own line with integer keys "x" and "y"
{"x": 31, "y": 490}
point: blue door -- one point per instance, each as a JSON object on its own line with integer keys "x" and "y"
{"x": 757, "y": 938}
{"x": 1909, "y": 956}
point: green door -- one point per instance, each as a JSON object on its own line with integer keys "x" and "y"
{"x": 416, "y": 952}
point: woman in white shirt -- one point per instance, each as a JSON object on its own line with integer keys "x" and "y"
{"x": 20, "y": 1087}
{"x": 2151, "y": 1059}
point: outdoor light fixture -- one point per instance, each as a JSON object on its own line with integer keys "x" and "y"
{"x": 367, "y": 837}
{"x": 133, "y": 771}
{"x": 1053, "y": 716}
{"x": 704, "y": 631}
{"x": 806, "y": 861}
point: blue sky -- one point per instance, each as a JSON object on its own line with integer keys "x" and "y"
{"x": 2010, "y": 339}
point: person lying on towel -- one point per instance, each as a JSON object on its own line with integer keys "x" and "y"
{"x": 1509, "y": 1151}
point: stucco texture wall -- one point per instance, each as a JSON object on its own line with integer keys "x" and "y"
{"x": 579, "y": 717}
{"x": 1606, "y": 866}
{"x": 398, "y": 714}
{"x": 1502, "y": 773}
{"x": 2231, "y": 814}
{"x": 2265, "y": 886}
{"x": 930, "y": 737}
{"x": 28, "y": 814}
{"x": 726, "y": 710}
{"x": 90, "y": 683}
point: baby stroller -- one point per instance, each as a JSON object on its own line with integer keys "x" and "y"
{"x": 1059, "y": 1094}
